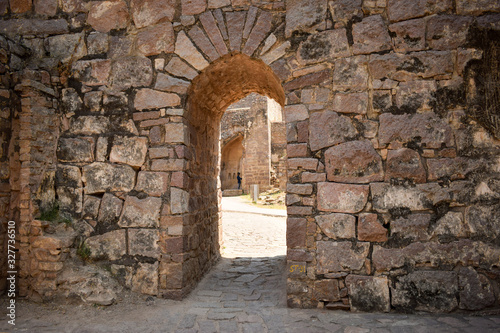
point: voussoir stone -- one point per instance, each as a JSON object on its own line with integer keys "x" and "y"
{"x": 327, "y": 128}
{"x": 340, "y": 256}
{"x": 129, "y": 150}
{"x": 101, "y": 177}
{"x": 368, "y": 293}
{"x": 152, "y": 99}
{"x": 353, "y": 162}
{"x": 337, "y": 226}
{"x": 406, "y": 164}
{"x": 169, "y": 83}
{"x": 143, "y": 213}
{"x": 342, "y": 198}
{"x": 108, "y": 15}
{"x": 148, "y": 12}
{"x": 111, "y": 245}
{"x": 324, "y": 46}
{"x": 185, "y": 49}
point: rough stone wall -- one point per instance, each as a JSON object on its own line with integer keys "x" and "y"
{"x": 392, "y": 186}
{"x": 278, "y": 155}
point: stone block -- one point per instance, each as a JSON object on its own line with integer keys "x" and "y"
{"x": 152, "y": 183}
{"x": 345, "y": 10}
{"x": 129, "y": 150}
{"x": 66, "y": 47}
{"x": 405, "y": 164}
{"x": 101, "y": 149}
{"x": 299, "y": 255}
{"x": 144, "y": 279}
{"x": 351, "y": 74}
{"x": 92, "y": 72}
{"x": 478, "y": 7}
{"x": 296, "y": 232}
{"x": 70, "y": 101}
{"x": 342, "y": 198}
{"x": 90, "y": 207}
{"x": 176, "y": 133}
{"x": 109, "y": 213}
{"x": 299, "y": 210}
{"x": 20, "y": 6}
{"x": 178, "y": 67}
{"x": 340, "y": 256}
{"x": 400, "y": 10}
{"x": 174, "y": 274}
{"x": 143, "y": 242}
{"x": 337, "y": 226}
{"x": 483, "y": 221}
{"x": 410, "y": 35}
{"x": 447, "y": 32}
{"x": 432, "y": 291}
{"x": 70, "y": 199}
{"x": 68, "y": 175}
{"x": 110, "y": 246}
{"x": 179, "y": 201}
{"x": 169, "y": 83}
{"x": 433, "y": 131}
{"x": 304, "y": 16}
{"x": 140, "y": 213}
{"x": 452, "y": 224}
{"x": 306, "y": 79}
{"x": 326, "y": 290}
{"x": 296, "y": 150}
{"x": 97, "y": 43}
{"x": 353, "y": 162}
{"x": 327, "y": 128}
{"x": 185, "y": 49}
{"x": 311, "y": 177}
{"x": 131, "y": 72}
{"x": 476, "y": 291}
{"x": 213, "y": 32}
{"x": 370, "y": 35}
{"x": 296, "y": 112}
{"x": 350, "y": 103}
{"x": 302, "y": 163}
{"x": 302, "y": 189}
{"x": 89, "y": 125}
{"x": 75, "y": 150}
{"x": 18, "y": 27}
{"x": 368, "y": 293}
{"x": 168, "y": 165}
{"x": 193, "y": 7}
{"x": 101, "y": 177}
{"x": 324, "y": 46}
{"x": 148, "y": 12}
{"x": 93, "y": 100}
{"x": 386, "y": 196}
{"x": 156, "y": 39}
{"x": 416, "y": 95}
{"x": 152, "y": 99}
{"x": 370, "y": 229}
{"x": 412, "y": 227}
{"x": 105, "y": 16}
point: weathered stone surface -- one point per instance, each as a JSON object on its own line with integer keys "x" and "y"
{"x": 185, "y": 49}
{"x": 20, "y": 6}
{"x": 452, "y": 224}
{"x": 296, "y": 232}
{"x": 296, "y": 112}
{"x": 351, "y": 103}
{"x": 131, "y": 72}
{"x": 235, "y": 23}
{"x": 370, "y": 229}
{"x": 327, "y": 128}
{"x": 129, "y": 150}
{"x": 337, "y": 226}
{"x": 433, "y": 131}
{"x": 120, "y": 46}
{"x": 447, "y": 32}
{"x": 89, "y": 125}
{"x": 68, "y": 175}
{"x": 202, "y": 41}
{"x": 71, "y": 101}
{"x": 476, "y": 291}
{"x": 296, "y": 150}
{"x": 166, "y": 82}
{"x": 143, "y": 242}
{"x": 432, "y": 291}
{"x": 101, "y": 177}
{"x": 141, "y": 213}
{"x": 303, "y": 163}
{"x": 353, "y": 162}
{"x": 370, "y": 35}
{"x": 326, "y": 290}
{"x": 193, "y": 7}
{"x": 405, "y": 164}
{"x": 156, "y": 39}
{"x": 168, "y": 165}
{"x": 148, "y": 12}
{"x": 146, "y": 99}
{"x": 66, "y": 47}
{"x": 412, "y": 227}
{"x": 351, "y": 74}
{"x": 70, "y": 199}
{"x": 111, "y": 245}
{"x": 484, "y": 221}
{"x": 324, "y": 46}
{"x": 93, "y": 100}
{"x": 179, "y": 201}
{"x": 111, "y": 208}
{"x": 342, "y": 198}
{"x": 340, "y": 256}
{"x": 108, "y": 15}
{"x": 477, "y": 7}
{"x": 213, "y": 32}
{"x": 75, "y": 150}
{"x": 345, "y": 10}
{"x": 303, "y": 189}
{"x": 144, "y": 279}
{"x": 176, "y": 133}
{"x": 152, "y": 183}
{"x": 304, "y": 16}
{"x": 33, "y": 27}
{"x": 398, "y": 10}
{"x": 410, "y": 35}
{"x": 178, "y": 67}
{"x": 92, "y": 72}
{"x": 368, "y": 293}
{"x": 416, "y": 95}
{"x": 308, "y": 79}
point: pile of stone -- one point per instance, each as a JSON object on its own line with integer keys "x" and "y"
{"x": 272, "y": 197}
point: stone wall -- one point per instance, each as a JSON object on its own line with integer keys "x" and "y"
{"x": 393, "y": 174}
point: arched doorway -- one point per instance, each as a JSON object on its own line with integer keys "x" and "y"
{"x": 231, "y": 158}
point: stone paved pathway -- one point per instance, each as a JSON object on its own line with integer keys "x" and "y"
{"x": 241, "y": 294}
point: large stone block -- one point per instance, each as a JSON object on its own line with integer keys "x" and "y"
{"x": 304, "y": 16}
{"x": 386, "y": 197}
{"x": 110, "y": 246}
{"x": 179, "y": 201}
{"x": 101, "y": 177}
{"x": 324, "y": 46}
{"x": 108, "y": 15}
{"x": 410, "y": 35}
{"x": 351, "y": 74}
{"x": 66, "y": 47}
{"x": 296, "y": 232}
{"x": 326, "y": 290}
{"x": 75, "y": 150}
{"x": 296, "y": 112}
{"x": 143, "y": 242}
{"x": 90, "y": 207}
{"x": 476, "y": 291}
{"x": 129, "y": 150}
{"x": 368, "y": 293}
{"x": 148, "y": 12}
{"x": 370, "y": 229}
{"x": 433, "y": 291}
{"x": 478, "y": 7}
{"x": 400, "y": 10}
{"x": 337, "y": 226}
{"x": 92, "y": 72}
{"x": 433, "y": 132}
{"x": 68, "y": 175}
{"x": 166, "y": 82}
{"x": 153, "y": 183}
{"x": 405, "y": 164}
{"x": 412, "y": 227}
{"x": 111, "y": 208}
{"x": 152, "y": 99}
{"x": 351, "y": 103}
{"x": 140, "y": 213}
{"x": 327, "y": 128}
{"x": 345, "y": 10}
{"x": 129, "y": 72}
{"x": 156, "y": 39}
{"x": 370, "y": 35}
{"x": 353, "y": 162}
{"x": 342, "y": 198}
{"x": 143, "y": 279}
{"x": 447, "y": 32}
{"x": 89, "y": 125}
{"x": 33, "y": 27}
{"x": 176, "y": 133}
{"x": 70, "y": 199}
{"x": 452, "y": 224}
{"x": 416, "y": 95}
{"x": 484, "y": 221}
{"x": 340, "y": 256}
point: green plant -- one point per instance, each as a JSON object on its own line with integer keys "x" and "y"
{"x": 52, "y": 213}
{"x": 83, "y": 251}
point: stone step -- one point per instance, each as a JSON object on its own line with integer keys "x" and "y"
{"x": 232, "y": 192}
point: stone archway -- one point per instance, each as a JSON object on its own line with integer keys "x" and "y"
{"x": 231, "y": 156}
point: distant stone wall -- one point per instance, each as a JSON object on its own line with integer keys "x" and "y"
{"x": 393, "y": 172}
